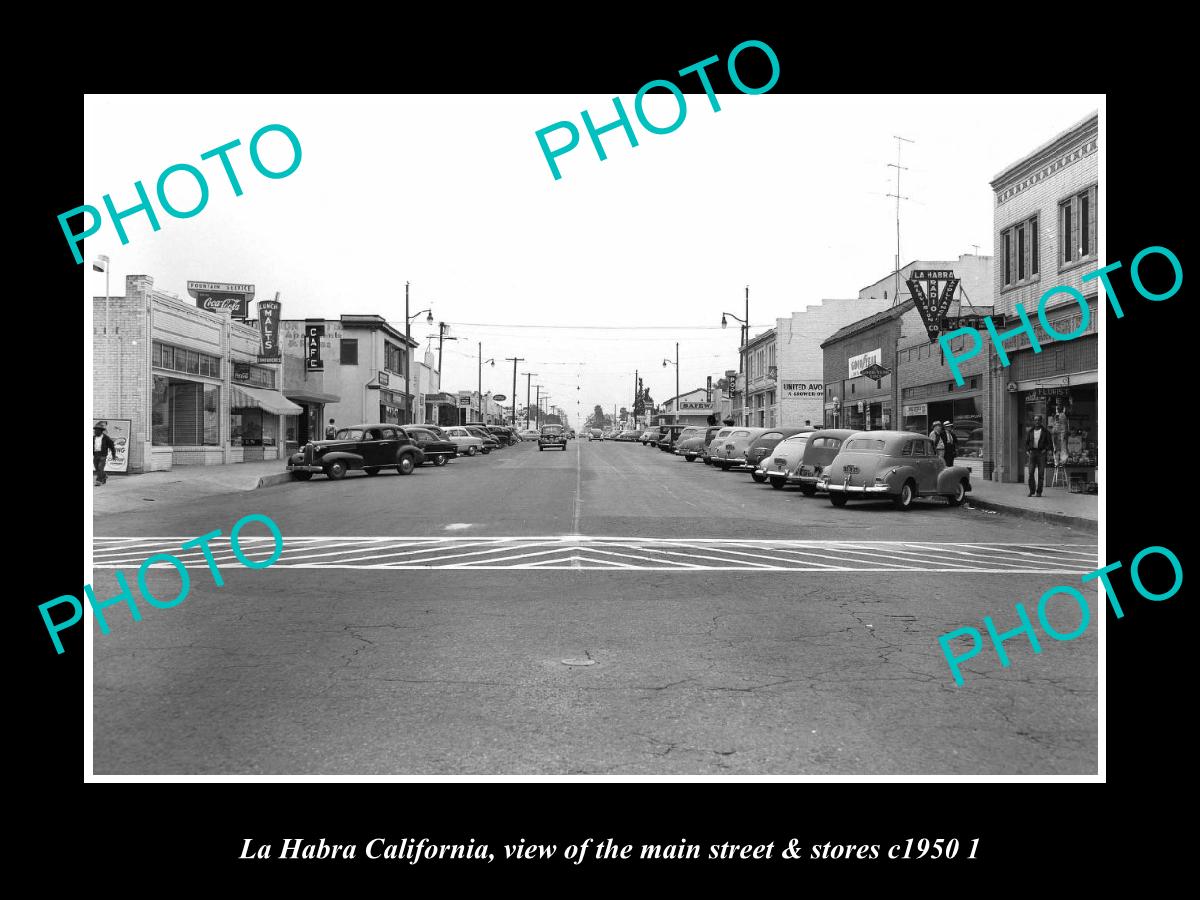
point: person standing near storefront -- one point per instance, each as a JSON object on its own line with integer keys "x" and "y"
{"x": 1037, "y": 445}
{"x": 951, "y": 442}
{"x": 102, "y": 448}
{"x": 1058, "y": 429}
{"x": 938, "y": 436}
{"x": 330, "y": 431}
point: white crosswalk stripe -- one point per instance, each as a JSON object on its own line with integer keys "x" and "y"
{"x": 609, "y": 553}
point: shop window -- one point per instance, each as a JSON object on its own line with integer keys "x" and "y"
{"x": 160, "y": 412}
{"x": 349, "y": 351}
{"x": 212, "y": 409}
{"x": 184, "y": 413}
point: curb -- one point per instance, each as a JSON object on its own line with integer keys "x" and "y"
{"x": 271, "y": 480}
{"x": 1037, "y": 515}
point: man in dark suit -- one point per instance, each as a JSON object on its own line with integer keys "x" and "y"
{"x": 102, "y": 448}
{"x": 1038, "y": 445}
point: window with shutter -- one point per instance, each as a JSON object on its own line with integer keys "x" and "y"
{"x": 1021, "y": 250}
{"x": 1075, "y": 227}
{"x": 1007, "y": 257}
{"x": 1065, "y": 240}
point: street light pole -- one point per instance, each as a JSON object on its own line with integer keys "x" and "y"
{"x": 528, "y": 380}
{"x": 514, "y": 360}
{"x": 481, "y": 362}
{"x": 408, "y": 358}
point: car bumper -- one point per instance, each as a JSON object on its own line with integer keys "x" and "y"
{"x": 869, "y": 489}
{"x": 292, "y": 467}
{"x": 773, "y": 473}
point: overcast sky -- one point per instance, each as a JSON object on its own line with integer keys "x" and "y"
{"x": 451, "y": 193}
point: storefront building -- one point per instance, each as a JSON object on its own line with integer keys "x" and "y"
{"x": 185, "y": 384}
{"x": 1045, "y": 237}
{"x": 694, "y": 408}
{"x": 854, "y": 399}
{"x": 762, "y": 382}
{"x": 303, "y": 387}
{"x": 362, "y": 361}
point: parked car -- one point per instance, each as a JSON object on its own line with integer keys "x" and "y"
{"x": 706, "y": 454}
{"x": 504, "y": 434}
{"x": 552, "y": 436}
{"x": 467, "y": 443}
{"x": 438, "y": 450}
{"x": 760, "y": 448}
{"x": 784, "y": 457}
{"x": 371, "y": 448}
{"x": 490, "y": 441}
{"x": 730, "y": 453}
{"x": 670, "y": 436}
{"x": 528, "y": 434}
{"x": 691, "y": 444}
{"x": 896, "y": 465}
{"x": 652, "y": 435}
{"x": 819, "y": 452}
{"x": 629, "y": 436}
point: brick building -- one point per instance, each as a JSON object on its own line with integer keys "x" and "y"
{"x": 187, "y": 381}
{"x": 1046, "y": 236}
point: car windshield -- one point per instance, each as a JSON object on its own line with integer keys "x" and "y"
{"x": 864, "y": 444}
{"x": 551, "y": 429}
{"x": 350, "y": 434}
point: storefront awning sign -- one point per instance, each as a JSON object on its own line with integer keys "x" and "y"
{"x": 259, "y": 398}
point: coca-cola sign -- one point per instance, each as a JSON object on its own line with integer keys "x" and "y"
{"x": 237, "y": 305}
{"x": 223, "y": 297}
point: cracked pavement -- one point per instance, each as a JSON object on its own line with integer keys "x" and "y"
{"x": 369, "y": 672}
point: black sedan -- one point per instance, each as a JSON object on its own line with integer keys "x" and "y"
{"x": 371, "y": 448}
{"x": 437, "y": 449}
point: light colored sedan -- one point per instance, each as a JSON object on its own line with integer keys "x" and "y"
{"x": 467, "y": 443}
{"x": 784, "y": 458}
{"x": 730, "y": 452}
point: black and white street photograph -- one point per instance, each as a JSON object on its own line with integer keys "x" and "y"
{"x": 698, "y": 432}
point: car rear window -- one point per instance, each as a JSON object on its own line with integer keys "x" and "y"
{"x": 864, "y": 444}
{"x": 551, "y": 429}
{"x": 740, "y": 434}
{"x": 796, "y": 439}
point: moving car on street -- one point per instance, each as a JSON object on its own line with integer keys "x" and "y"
{"x": 371, "y": 448}
{"x": 595, "y": 434}
{"x": 552, "y": 436}
{"x": 822, "y": 448}
{"x": 467, "y": 443}
{"x": 896, "y": 465}
{"x": 762, "y": 446}
{"x": 529, "y": 434}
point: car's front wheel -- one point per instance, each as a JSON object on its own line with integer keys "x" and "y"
{"x": 758, "y": 477}
{"x": 837, "y": 499}
{"x": 959, "y": 495}
{"x": 808, "y": 490}
{"x": 405, "y": 463}
{"x": 301, "y": 476}
{"x": 439, "y": 460}
{"x": 336, "y": 470}
{"x": 904, "y": 500}
{"x": 471, "y": 451}
{"x": 778, "y": 482}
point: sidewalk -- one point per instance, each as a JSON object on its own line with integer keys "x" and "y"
{"x": 123, "y": 493}
{"x": 1055, "y": 505}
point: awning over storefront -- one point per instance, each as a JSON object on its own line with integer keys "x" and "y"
{"x": 443, "y": 398}
{"x": 312, "y": 397}
{"x": 259, "y": 398}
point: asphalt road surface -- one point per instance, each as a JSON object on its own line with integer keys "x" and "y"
{"x": 419, "y": 625}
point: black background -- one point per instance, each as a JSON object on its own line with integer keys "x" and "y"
{"x": 195, "y": 831}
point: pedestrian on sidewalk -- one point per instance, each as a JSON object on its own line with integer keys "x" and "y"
{"x": 1038, "y": 445}
{"x": 330, "y": 431}
{"x": 938, "y": 436}
{"x": 951, "y": 442}
{"x": 102, "y": 448}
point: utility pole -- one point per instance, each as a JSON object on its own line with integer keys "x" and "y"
{"x": 528, "y": 392}
{"x": 677, "y": 369}
{"x": 514, "y": 360}
{"x": 481, "y": 361}
{"x": 633, "y": 409}
{"x": 899, "y": 168}
{"x": 538, "y": 420}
